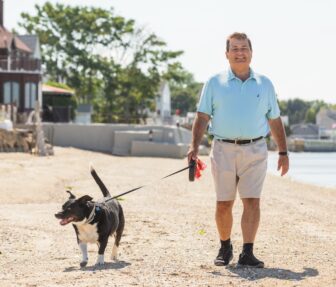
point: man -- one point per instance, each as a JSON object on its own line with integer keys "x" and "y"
{"x": 242, "y": 108}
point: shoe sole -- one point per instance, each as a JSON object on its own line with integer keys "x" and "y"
{"x": 221, "y": 263}
{"x": 260, "y": 265}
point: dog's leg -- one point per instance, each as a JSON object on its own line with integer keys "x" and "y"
{"x": 102, "y": 246}
{"x": 114, "y": 251}
{"x": 83, "y": 248}
{"x": 118, "y": 233}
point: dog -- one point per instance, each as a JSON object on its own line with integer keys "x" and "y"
{"x": 94, "y": 221}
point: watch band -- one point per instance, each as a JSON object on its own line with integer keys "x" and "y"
{"x": 283, "y": 153}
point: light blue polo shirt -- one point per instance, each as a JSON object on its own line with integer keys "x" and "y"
{"x": 239, "y": 110}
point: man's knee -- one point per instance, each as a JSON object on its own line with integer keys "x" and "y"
{"x": 224, "y": 206}
{"x": 251, "y": 203}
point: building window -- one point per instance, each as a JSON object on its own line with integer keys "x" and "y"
{"x": 30, "y": 95}
{"x": 11, "y": 93}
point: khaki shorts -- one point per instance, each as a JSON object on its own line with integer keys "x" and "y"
{"x": 238, "y": 166}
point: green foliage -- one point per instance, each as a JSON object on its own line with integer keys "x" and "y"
{"x": 58, "y": 85}
{"x": 315, "y": 107}
{"x": 300, "y": 111}
{"x": 184, "y": 89}
{"x": 110, "y": 62}
{"x": 297, "y": 109}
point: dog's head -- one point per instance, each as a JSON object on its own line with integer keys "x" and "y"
{"x": 74, "y": 210}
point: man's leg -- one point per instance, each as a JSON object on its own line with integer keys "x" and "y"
{"x": 224, "y": 226}
{"x": 250, "y": 219}
{"x": 251, "y": 170}
{"x": 249, "y": 224}
{"x": 224, "y": 219}
{"x": 223, "y": 167}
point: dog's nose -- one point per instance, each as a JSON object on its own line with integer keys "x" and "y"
{"x": 58, "y": 215}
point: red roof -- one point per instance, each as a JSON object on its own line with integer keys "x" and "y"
{"x": 7, "y": 39}
{"x": 53, "y": 90}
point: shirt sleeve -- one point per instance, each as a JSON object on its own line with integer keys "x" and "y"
{"x": 206, "y": 99}
{"x": 273, "y": 107}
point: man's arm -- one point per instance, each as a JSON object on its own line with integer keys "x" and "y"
{"x": 199, "y": 127}
{"x": 279, "y": 135}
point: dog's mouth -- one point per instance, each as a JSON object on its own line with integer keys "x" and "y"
{"x": 67, "y": 220}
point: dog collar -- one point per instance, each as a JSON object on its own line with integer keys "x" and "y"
{"x": 92, "y": 214}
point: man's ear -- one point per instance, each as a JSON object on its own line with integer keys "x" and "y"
{"x": 84, "y": 199}
{"x": 71, "y": 195}
{"x": 226, "y": 55}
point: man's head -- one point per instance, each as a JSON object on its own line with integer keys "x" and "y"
{"x": 239, "y": 51}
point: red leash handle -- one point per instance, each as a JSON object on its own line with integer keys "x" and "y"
{"x": 196, "y": 166}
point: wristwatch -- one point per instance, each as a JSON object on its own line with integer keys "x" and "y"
{"x": 284, "y": 153}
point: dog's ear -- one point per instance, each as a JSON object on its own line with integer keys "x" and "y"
{"x": 84, "y": 199}
{"x": 71, "y": 195}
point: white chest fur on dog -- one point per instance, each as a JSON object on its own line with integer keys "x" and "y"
{"x": 87, "y": 232}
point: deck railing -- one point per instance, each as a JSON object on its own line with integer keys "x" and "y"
{"x": 19, "y": 64}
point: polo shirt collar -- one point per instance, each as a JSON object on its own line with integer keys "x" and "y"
{"x": 231, "y": 75}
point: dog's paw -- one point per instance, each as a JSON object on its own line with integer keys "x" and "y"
{"x": 100, "y": 260}
{"x": 114, "y": 255}
{"x": 83, "y": 263}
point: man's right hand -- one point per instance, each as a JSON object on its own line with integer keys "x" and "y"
{"x": 199, "y": 127}
{"x": 192, "y": 154}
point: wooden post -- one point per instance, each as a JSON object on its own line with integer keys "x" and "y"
{"x": 40, "y": 144}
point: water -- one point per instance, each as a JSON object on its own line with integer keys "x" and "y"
{"x": 314, "y": 168}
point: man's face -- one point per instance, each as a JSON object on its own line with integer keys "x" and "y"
{"x": 239, "y": 54}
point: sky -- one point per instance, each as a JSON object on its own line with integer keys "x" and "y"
{"x": 294, "y": 41}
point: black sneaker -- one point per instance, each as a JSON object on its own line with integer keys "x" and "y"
{"x": 249, "y": 260}
{"x": 224, "y": 256}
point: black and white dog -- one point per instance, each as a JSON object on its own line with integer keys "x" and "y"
{"x": 94, "y": 221}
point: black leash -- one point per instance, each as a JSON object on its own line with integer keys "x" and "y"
{"x": 191, "y": 165}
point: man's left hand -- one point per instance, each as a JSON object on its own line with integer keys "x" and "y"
{"x": 283, "y": 164}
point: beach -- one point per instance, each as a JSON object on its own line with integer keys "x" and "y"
{"x": 170, "y": 237}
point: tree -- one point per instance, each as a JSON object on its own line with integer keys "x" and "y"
{"x": 296, "y": 111}
{"x": 315, "y": 106}
{"x": 72, "y": 40}
{"x": 300, "y": 111}
{"x": 107, "y": 59}
{"x": 184, "y": 89}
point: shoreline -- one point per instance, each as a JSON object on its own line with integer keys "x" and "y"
{"x": 313, "y": 168}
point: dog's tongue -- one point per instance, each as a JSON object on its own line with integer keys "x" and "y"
{"x": 66, "y": 221}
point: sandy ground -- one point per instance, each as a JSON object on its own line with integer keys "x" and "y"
{"x": 170, "y": 237}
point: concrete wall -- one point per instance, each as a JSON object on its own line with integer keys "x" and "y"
{"x": 320, "y": 145}
{"x": 146, "y": 148}
{"x": 117, "y": 138}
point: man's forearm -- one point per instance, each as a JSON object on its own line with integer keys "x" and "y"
{"x": 278, "y": 133}
{"x": 199, "y": 127}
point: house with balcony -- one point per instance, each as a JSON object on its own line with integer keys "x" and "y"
{"x": 20, "y": 71}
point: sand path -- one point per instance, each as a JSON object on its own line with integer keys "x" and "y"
{"x": 170, "y": 236}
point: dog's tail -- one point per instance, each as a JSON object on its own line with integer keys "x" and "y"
{"x": 101, "y": 185}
